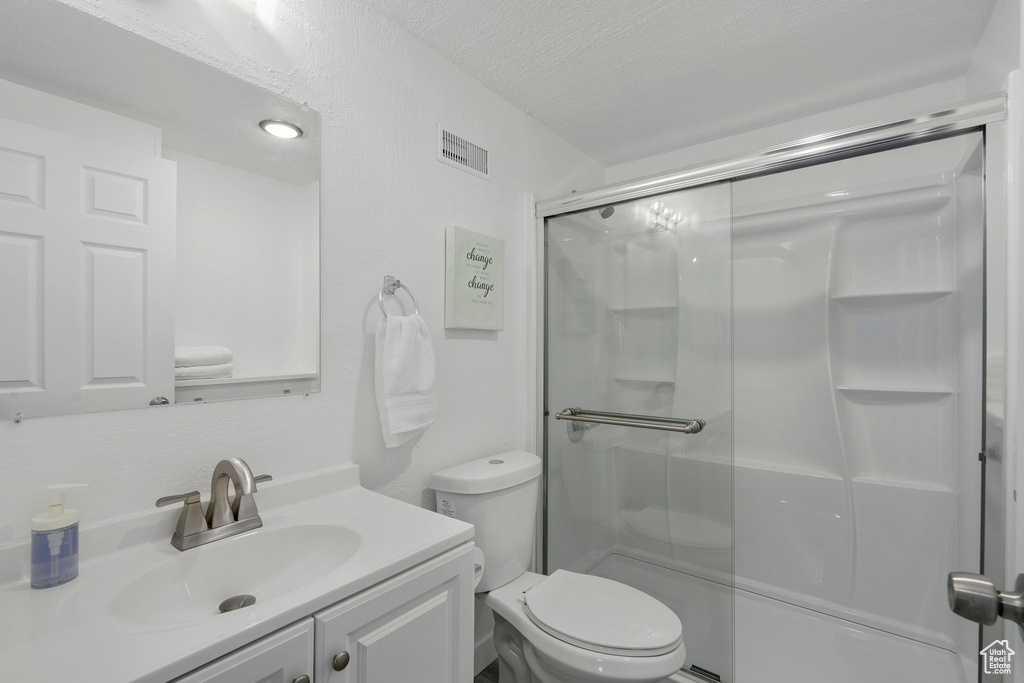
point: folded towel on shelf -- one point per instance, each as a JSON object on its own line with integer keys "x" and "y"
{"x": 188, "y": 356}
{"x": 204, "y": 371}
{"x": 404, "y": 377}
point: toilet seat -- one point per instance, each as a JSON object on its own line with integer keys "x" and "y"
{"x": 601, "y": 615}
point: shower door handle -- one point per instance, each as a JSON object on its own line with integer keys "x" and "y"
{"x": 582, "y": 420}
{"x": 974, "y": 597}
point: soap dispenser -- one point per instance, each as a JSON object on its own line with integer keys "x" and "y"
{"x": 55, "y": 540}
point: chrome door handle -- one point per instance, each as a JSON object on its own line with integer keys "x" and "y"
{"x": 974, "y": 597}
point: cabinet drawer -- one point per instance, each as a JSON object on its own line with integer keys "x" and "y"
{"x": 281, "y": 657}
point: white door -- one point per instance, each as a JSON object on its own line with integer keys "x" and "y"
{"x": 87, "y": 241}
{"x": 415, "y": 627}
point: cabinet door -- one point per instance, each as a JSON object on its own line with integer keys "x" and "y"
{"x": 417, "y": 627}
{"x": 281, "y": 657}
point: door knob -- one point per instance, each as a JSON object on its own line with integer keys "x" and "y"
{"x": 974, "y": 597}
{"x": 340, "y": 661}
{"x": 301, "y": 679}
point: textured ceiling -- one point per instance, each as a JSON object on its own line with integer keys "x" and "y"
{"x": 200, "y": 109}
{"x": 624, "y": 79}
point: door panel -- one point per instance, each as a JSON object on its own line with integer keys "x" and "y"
{"x": 415, "y": 627}
{"x": 114, "y": 316}
{"x": 638, "y": 308}
{"x": 21, "y": 309}
{"x": 87, "y": 245}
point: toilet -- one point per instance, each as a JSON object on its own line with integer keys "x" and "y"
{"x": 563, "y": 628}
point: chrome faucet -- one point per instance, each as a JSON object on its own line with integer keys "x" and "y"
{"x": 242, "y": 507}
{"x": 223, "y": 517}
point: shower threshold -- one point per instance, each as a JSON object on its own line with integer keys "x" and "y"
{"x": 778, "y": 642}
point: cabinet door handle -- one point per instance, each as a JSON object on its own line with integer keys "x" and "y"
{"x": 340, "y": 661}
{"x": 301, "y": 679}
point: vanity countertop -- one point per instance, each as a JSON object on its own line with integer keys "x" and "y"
{"x": 80, "y": 631}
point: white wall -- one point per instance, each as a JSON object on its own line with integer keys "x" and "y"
{"x": 386, "y": 202}
{"x": 242, "y": 266}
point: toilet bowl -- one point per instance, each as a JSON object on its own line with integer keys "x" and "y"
{"x": 563, "y": 628}
{"x": 574, "y": 627}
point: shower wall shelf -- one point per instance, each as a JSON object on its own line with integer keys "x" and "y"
{"x": 904, "y": 484}
{"x": 766, "y": 462}
{"x": 644, "y": 307}
{"x": 643, "y": 378}
{"x": 911, "y": 392}
{"x": 890, "y": 298}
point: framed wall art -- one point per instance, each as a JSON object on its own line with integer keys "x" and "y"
{"x": 474, "y": 281}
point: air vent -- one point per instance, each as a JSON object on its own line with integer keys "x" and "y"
{"x": 462, "y": 154}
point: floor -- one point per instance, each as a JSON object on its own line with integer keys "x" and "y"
{"x": 488, "y": 675}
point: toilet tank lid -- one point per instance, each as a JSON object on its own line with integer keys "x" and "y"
{"x": 484, "y": 475}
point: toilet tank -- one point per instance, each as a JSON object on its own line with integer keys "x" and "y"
{"x": 498, "y": 496}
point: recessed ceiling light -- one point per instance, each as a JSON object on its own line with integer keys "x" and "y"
{"x": 281, "y": 129}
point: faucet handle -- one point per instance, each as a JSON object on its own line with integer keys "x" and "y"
{"x": 192, "y": 519}
{"x": 262, "y": 478}
{"x": 186, "y": 498}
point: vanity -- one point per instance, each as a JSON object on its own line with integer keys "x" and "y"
{"x": 349, "y": 585}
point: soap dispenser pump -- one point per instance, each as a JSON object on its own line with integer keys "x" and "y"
{"x": 55, "y": 540}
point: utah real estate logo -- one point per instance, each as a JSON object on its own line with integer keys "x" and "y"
{"x": 997, "y": 657}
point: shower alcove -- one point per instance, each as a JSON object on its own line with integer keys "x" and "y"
{"x": 826, "y": 320}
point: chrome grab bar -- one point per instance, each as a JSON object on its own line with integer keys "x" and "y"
{"x": 668, "y": 424}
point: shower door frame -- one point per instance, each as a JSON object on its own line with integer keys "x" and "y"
{"x": 988, "y": 115}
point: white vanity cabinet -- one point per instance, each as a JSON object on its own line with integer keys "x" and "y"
{"x": 414, "y": 627}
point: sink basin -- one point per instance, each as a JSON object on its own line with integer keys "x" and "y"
{"x": 265, "y": 563}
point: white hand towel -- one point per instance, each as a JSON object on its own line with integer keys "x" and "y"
{"x": 204, "y": 371}
{"x": 188, "y": 356}
{"x": 404, "y": 377}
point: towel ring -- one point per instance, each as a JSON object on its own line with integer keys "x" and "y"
{"x": 391, "y": 285}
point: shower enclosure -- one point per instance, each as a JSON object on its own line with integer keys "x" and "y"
{"x": 765, "y": 402}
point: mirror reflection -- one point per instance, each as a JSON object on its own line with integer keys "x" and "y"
{"x": 159, "y": 224}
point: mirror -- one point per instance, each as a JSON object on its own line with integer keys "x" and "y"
{"x": 157, "y": 246}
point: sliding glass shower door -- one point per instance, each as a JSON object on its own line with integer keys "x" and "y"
{"x": 826, "y": 326}
{"x": 639, "y": 324}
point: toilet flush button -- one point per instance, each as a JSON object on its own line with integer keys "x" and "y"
{"x": 495, "y": 462}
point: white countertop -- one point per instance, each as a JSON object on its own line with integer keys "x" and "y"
{"x": 69, "y": 633}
